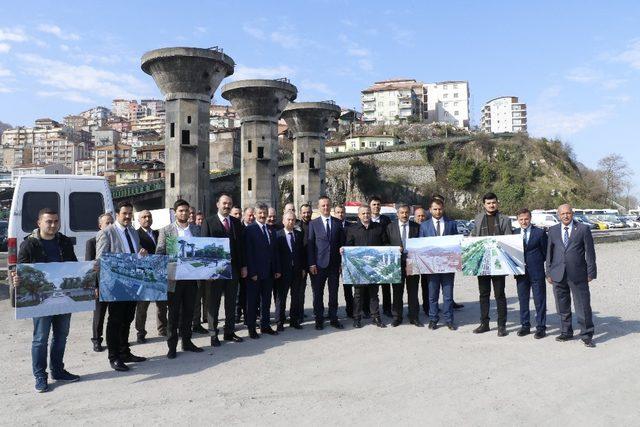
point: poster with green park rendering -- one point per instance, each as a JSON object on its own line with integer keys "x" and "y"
{"x": 200, "y": 258}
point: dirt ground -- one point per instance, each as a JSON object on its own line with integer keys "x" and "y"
{"x": 401, "y": 376}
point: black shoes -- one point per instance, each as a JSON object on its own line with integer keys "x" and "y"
{"x": 564, "y": 337}
{"x": 336, "y": 324}
{"x": 162, "y": 333}
{"x": 119, "y": 365}
{"x": 417, "y": 323}
{"x": 357, "y": 324}
{"x": 171, "y": 354}
{"x": 190, "y": 346}
{"x": 451, "y": 326}
{"x": 484, "y": 327}
{"x": 268, "y": 331}
{"x": 319, "y": 325}
{"x": 396, "y": 323}
{"x": 433, "y": 325}
{"x": 141, "y": 339}
{"x": 253, "y": 334}
{"x": 524, "y": 331}
{"x": 97, "y": 347}
{"x": 131, "y": 358}
{"x": 378, "y": 322}
{"x": 280, "y": 327}
{"x": 215, "y": 342}
{"x": 588, "y": 342}
{"x": 232, "y": 337}
{"x": 540, "y": 333}
{"x": 198, "y": 329}
{"x": 295, "y": 325}
{"x": 457, "y": 306}
{"x": 502, "y": 331}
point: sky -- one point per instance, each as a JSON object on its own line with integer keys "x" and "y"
{"x": 575, "y": 63}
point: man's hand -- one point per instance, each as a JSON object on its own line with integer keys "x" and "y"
{"x": 313, "y": 269}
{"x": 254, "y": 278}
{"x": 97, "y": 292}
{"x": 15, "y": 279}
{"x": 143, "y": 252}
{"x": 549, "y": 280}
{"x": 341, "y": 250}
{"x": 243, "y": 272}
{"x": 589, "y": 279}
{"x": 277, "y": 275}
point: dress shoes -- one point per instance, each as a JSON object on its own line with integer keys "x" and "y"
{"x": 588, "y": 342}
{"x": 457, "y": 306}
{"x": 295, "y": 325}
{"x": 232, "y": 337}
{"x": 132, "y": 358}
{"x": 280, "y": 327}
{"x": 451, "y": 326}
{"x": 198, "y": 329}
{"x": 171, "y": 354}
{"x": 268, "y": 331}
{"x": 378, "y": 322}
{"x": 417, "y": 323}
{"x": 253, "y": 334}
{"x": 357, "y": 324}
{"x": 118, "y": 365}
{"x": 484, "y": 327}
{"x": 190, "y": 346}
{"x": 564, "y": 337}
{"x": 97, "y": 347}
{"x": 396, "y": 323}
{"x": 541, "y": 333}
{"x": 336, "y": 324}
{"x": 433, "y": 325}
{"x": 141, "y": 339}
{"x": 319, "y": 326}
{"x": 502, "y": 331}
{"x": 215, "y": 342}
{"x": 523, "y": 332}
{"x": 162, "y": 333}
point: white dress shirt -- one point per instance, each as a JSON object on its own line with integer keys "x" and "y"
{"x": 435, "y": 225}
{"x": 569, "y": 229}
{"x": 123, "y": 238}
{"x": 221, "y": 218}
{"x": 183, "y": 232}
{"x": 324, "y": 222}
{"x": 150, "y": 234}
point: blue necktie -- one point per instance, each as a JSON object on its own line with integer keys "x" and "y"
{"x": 565, "y": 237}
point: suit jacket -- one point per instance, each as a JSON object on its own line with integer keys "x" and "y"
{"x": 535, "y": 253}
{"x": 480, "y": 228}
{"x": 212, "y": 227}
{"x": 374, "y": 235}
{"x": 161, "y": 247}
{"x": 292, "y": 263}
{"x": 146, "y": 242}
{"x": 90, "y": 250}
{"x": 577, "y": 260}
{"x": 261, "y": 255}
{"x": 393, "y": 231}
{"x": 324, "y": 251}
{"x": 427, "y": 228}
{"x": 108, "y": 241}
{"x": 384, "y": 220}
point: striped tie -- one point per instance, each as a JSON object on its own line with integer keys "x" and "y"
{"x": 565, "y": 237}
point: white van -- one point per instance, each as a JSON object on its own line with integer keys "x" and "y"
{"x": 544, "y": 220}
{"x": 79, "y": 199}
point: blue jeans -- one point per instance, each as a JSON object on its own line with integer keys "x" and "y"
{"x": 444, "y": 281}
{"x": 41, "y": 327}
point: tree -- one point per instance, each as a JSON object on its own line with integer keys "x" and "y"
{"x": 615, "y": 174}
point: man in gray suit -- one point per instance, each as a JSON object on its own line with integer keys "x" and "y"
{"x": 181, "y": 297}
{"x": 571, "y": 265}
{"x": 120, "y": 237}
{"x": 491, "y": 223}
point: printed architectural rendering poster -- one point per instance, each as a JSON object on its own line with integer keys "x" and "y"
{"x": 492, "y": 255}
{"x": 434, "y": 255}
{"x": 47, "y": 289}
{"x": 200, "y": 258}
{"x": 363, "y": 265}
{"x": 131, "y": 277}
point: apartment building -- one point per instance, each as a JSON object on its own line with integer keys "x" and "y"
{"x": 31, "y": 169}
{"x": 446, "y": 102}
{"x": 504, "y": 114}
{"x": 64, "y": 151}
{"x": 109, "y": 157}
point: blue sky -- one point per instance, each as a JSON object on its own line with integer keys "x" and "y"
{"x": 575, "y": 63}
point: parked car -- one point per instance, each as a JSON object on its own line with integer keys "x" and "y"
{"x": 584, "y": 220}
{"x": 463, "y": 227}
{"x": 544, "y": 220}
{"x": 4, "y": 225}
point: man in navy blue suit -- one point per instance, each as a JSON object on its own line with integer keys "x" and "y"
{"x": 263, "y": 267}
{"x": 534, "y": 241}
{"x": 325, "y": 238}
{"x": 439, "y": 225}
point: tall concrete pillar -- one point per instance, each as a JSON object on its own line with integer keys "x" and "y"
{"x": 259, "y": 103}
{"x": 309, "y": 122}
{"x": 187, "y": 77}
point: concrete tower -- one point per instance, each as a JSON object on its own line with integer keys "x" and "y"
{"x": 259, "y": 103}
{"x": 309, "y": 122}
{"x": 187, "y": 77}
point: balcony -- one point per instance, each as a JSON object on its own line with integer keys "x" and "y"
{"x": 366, "y": 98}
{"x": 369, "y": 107}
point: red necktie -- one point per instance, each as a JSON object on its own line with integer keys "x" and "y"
{"x": 226, "y": 225}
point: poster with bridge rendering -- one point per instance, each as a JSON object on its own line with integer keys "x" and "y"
{"x": 371, "y": 265}
{"x": 132, "y": 277}
{"x": 200, "y": 258}
{"x": 493, "y": 255}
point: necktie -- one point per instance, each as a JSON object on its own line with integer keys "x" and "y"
{"x": 291, "y": 241}
{"x": 404, "y": 235}
{"x": 225, "y": 223}
{"x": 129, "y": 241}
{"x": 565, "y": 237}
{"x": 437, "y": 227}
{"x": 150, "y": 234}
{"x": 328, "y": 228}
{"x": 525, "y": 237}
{"x": 266, "y": 234}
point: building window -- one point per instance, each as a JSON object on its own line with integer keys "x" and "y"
{"x": 392, "y": 103}
{"x": 455, "y": 86}
{"x": 302, "y": 190}
{"x": 445, "y": 87}
{"x": 189, "y": 119}
{"x": 172, "y": 130}
{"x": 249, "y": 184}
{"x": 445, "y": 95}
{"x": 260, "y": 152}
{"x": 186, "y": 137}
{"x": 455, "y": 104}
{"x": 173, "y": 180}
{"x": 312, "y": 163}
{"x": 380, "y": 103}
{"x": 456, "y": 113}
{"x": 249, "y": 146}
{"x": 455, "y": 95}
{"x": 301, "y": 157}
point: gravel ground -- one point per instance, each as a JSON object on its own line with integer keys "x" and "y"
{"x": 401, "y": 375}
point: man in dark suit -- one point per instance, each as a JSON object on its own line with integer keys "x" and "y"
{"x": 571, "y": 266}
{"x": 366, "y": 233}
{"x": 420, "y": 216}
{"x": 293, "y": 261}
{"x": 101, "y": 307}
{"x": 491, "y": 223}
{"x": 439, "y": 225}
{"x": 263, "y": 267}
{"x": 222, "y": 224}
{"x": 148, "y": 240}
{"x": 375, "y": 203}
{"x": 340, "y": 212}
{"x": 248, "y": 217}
{"x": 325, "y": 238}
{"x": 398, "y": 233}
{"x": 534, "y": 241}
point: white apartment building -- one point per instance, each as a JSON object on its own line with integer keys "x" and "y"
{"x": 447, "y": 102}
{"x": 392, "y": 101}
{"x": 50, "y": 169}
{"x": 109, "y": 157}
{"x": 152, "y": 123}
{"x": 370, "y": 142}
{"x": 58, "y": 151}
{"x": 504, "y": 114}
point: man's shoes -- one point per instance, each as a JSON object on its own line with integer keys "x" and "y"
{"x": 97, "y": 347}
{"x": 253, "y": 334}
{"x": 564, "y": 337}
{"x": 524, "y": 331}
{"x": 198, "y": 329}
{"x": 457, "y": 306}
{"x": 280, "y": 327}
{"x": 433, "y": 325}
{"x": 232, "y": 337}
{"x": 132, "y": 358}
{"x": 357, "y": 324}
{"x": 171, "y": 354}
{"x": 65, "y": 376}
{"x": 268, "y": 331}
{"x": 451, "y": 326}
{"x": 366, "y": 315}
{"x": 417, "y": 323}
{"x": 350, "y": 314}
{"x": 119, "y": 365}
{"x": 396, "y": 323}
{"x": 295, "y": 325}
{"x": 190, "y": 346}
{"x": 502, "y": 331}
{"x": 540, "y": 333}
{"x": 378, "y": 322}
{"x": 42, "y": 385}
{"x": 319, "y": 326}
{"x": 215, "y": 342}
{"x": 484, "y": 327}
{"x": 336, "y": 324}
{"x": 588, "y": 342}
{"x": 162, "y": 333}
{"x": 141, "y": 339}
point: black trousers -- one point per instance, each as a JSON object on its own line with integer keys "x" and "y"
{"x": 562, "y": 291}
{"x": 484, "y": 286}
{"x": 348, "y": 299}
{"x": 259, "y": 295}
{"x": 371, "y": 301}
{"x": 241, "y": 304}
{"x": 332, "y": 278}
{"x": 141, "y": 317}
{"x": 181, "y": 303}
{"x": 424, "y": 283}
{"x": 98, "y": 320}
{"x": 386, "y": 298}
{"x": 201, "y": 306}
{"x": 411, "y": 283}
{"x": 121, "y": 315}
{"x": 215, "y": 290}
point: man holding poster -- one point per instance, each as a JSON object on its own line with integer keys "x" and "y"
{"x": 46, "y": 244}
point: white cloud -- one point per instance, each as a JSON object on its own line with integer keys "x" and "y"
{"x": 243, "y": 72}
{"x": 254, "y": 32}
{"x": 550, "y": 123}
{"x": 630, "y": 56}
{"x": 57, "y": 31}
{"x": 13, "y": 34}
{"x": 402, "y": 36}
{"x": 613, "y": 83}
{"x": 358, "y": 51}
{"x": 4, "y": 72}
{"x": 365, "y": 64}
{"x": 287, "y": 40}
{"x": 201, "y": 30}
{"x": 318, "y": 87}
{"x": 68, "y": 96}
{"x": 354, "y": 50}
{"x": 582, "y": 75}
{"x": 286, "y": 37}
{"x": 5, "y": 47}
